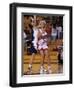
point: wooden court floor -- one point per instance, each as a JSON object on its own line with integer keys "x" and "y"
{"x": 55, "y": 66}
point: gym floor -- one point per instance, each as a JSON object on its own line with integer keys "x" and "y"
{"x": 55, "y": 66}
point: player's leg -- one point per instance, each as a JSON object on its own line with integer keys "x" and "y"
{"x": 48, "y": 60}
{"x": 31, "y": 60}
{"x": 33, "y": 52}
{"x": 42, "y": 61}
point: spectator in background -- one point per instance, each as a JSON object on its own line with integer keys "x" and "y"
{"x": 59, "y": 23}
{"x": 60, "y": 59}
{"x": 54, "y": 32}
{"x": 59, "y": 31}
{"x": 24, "y": 39}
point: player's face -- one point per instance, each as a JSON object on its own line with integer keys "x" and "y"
{"x": 33, "y": 23}
{"x": 41, "y": 24}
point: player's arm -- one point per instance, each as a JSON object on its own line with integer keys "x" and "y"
{"x": 39, "y": 35}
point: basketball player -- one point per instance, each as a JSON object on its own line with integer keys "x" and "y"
{"x": 33, "y": 48}
{"x": 43, "y": 46}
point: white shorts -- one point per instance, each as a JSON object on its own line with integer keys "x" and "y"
{"x": 42, "y": 45}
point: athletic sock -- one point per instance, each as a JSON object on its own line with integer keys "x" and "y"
{"x": 49, "y": 69}
{"x": 30, "y": 65}
{"x": 41, "y": 70}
